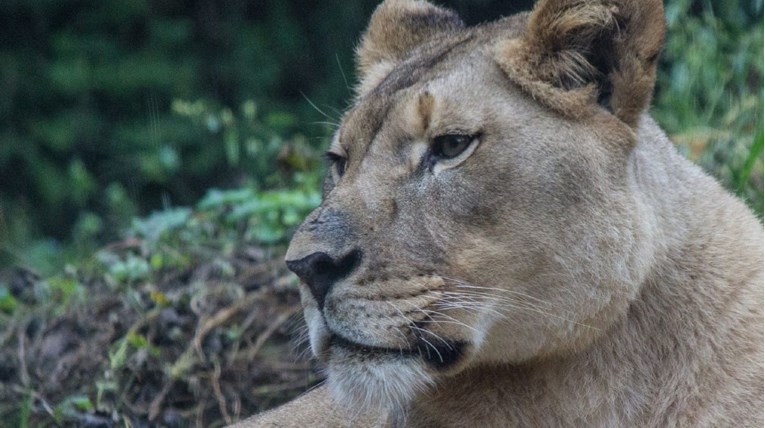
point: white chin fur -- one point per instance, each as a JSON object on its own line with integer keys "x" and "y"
{"x": 317, "y": 332}
{"x": 384, "y": 387}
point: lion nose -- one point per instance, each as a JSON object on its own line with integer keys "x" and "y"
{"x": 320, "y": 271}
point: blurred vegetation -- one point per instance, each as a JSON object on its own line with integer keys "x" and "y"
{"x": 155, "y": 156}
{"x": 114, "y": 109}
{"x": 710, "y": 90}
{"x": 183, "y": 321}
{"x": 111, "y": 109}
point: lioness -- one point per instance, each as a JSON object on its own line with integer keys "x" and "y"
{"x": 508, "y": 239}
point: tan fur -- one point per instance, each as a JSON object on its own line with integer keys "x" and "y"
{"x": 397, "y": 27}
{"x": 551, "y": 59}
{"x": 587, "y": 273}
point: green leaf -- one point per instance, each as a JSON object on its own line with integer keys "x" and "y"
{"x": 25, "y": 411}
{"x": 231, "y": 143}
{"x": 119, "y": 356}
{"x": 755, "y": 151}
{"x": 158, "y": 223}
{"x": 64, "y": 288}
{"x": 137, "y": 341}
{"x": 280, "y": 120}
{"x": 73, "y": 404}
{"x": 157, "y": 261}
{"x": 82, "y": 402}
{"x": 216, "y": 198}
{"x": 102, "y": 387}
{"x": 7, "y": 302}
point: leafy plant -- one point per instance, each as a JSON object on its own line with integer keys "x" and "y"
{"x": 709, "y": 90}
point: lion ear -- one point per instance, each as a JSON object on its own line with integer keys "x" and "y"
{"x": 397, "y": 27}
{"x": 576, "y": 54}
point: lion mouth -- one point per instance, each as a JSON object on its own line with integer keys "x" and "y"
{"x": 440, "y": 357}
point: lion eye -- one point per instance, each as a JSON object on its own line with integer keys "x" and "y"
{"x": 340, "y": 166}
{"x": 451, "y": 145}
{"x": 338, "y": 163}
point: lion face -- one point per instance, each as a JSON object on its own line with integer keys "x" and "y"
{"x": 463, "y": 221}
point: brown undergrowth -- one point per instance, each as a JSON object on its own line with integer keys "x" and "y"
{"x": 135, "y": 338}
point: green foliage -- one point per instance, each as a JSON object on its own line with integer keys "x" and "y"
{"x": 24, "y": 412}
{"x": 755, "y": 154}
{"x": 115, "y": 109}
{"x": 709, "y": 90}
{"x": 92, "y": 116}
{"x": 271, "y": 214}
{"x": 220, "y": 218}
{"x": 185, "y": 294}
{"x": 72, "y": 405}
{"x": 8, "y": 303}
{"x": 61, "y": 290}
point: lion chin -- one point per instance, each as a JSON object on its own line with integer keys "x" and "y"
{"x": 382, "y": 380}
{"x": 376, "y": 382}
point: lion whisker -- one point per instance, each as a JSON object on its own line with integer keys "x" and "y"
{"x": 464, "y": 284}
{"x": 450, "y": 321}
{"x": 429, "y": 316}
{"x": 454, "y": 302}
{"x": 430, "y": 345}
{"x": 511, "y": 303}
{"x": 413, "y": 325}
{"x": 399, "y": 332}
{"x": 432, "y": 334}
{"x": 327, "y": 123}
{"x": 317, "y": 108}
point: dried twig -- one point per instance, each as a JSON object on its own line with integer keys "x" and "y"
{"x": 204, "y": 326}
{"x": 269, "y": 331}
{"x": 156, "y": 404}
{"x": 24, "y": 390}
{"x": 215, "y": 381}
{"x": 22, "y": 355}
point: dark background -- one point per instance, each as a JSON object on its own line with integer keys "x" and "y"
{"x": 88, "y": 134}
{"x": 92, "y": 129}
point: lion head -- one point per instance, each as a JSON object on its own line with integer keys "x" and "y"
{"x": 479, "y": 208}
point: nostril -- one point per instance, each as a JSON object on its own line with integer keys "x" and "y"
{"x": 320, "y": 271}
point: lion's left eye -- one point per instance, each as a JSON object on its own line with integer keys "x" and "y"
{"x": 450, "y": 146}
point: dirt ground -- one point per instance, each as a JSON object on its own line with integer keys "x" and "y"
{"x": 202, "y": 346}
